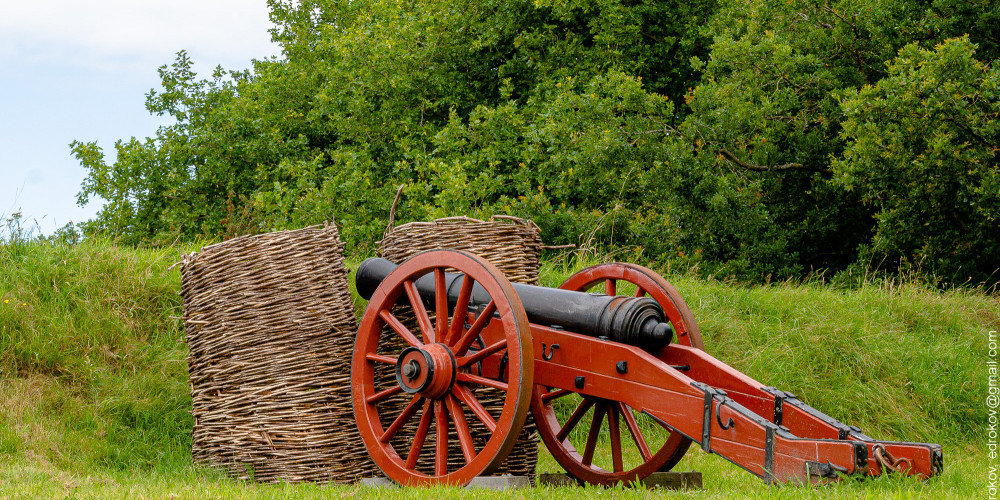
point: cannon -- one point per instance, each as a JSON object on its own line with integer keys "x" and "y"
{"x": 615, "y": 344}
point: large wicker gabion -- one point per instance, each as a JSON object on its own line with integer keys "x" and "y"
{"x": 270, "y": 326}
{"x": 514, "y": 246}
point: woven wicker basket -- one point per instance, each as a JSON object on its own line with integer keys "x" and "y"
{"x": 271, "y": 327}
{"x": 514, "y": 246}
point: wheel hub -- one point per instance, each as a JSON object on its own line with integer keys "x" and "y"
{"x": 429, "y": 371}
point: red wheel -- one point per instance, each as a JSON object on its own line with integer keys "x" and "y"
{"x": 645, "y": 282}
{"x": 434, "y": 380}
{"x": 610, "y": 462}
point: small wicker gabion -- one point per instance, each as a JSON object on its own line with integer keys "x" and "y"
{"x": 270, "y": 327}
{"x": 514, "y": 246}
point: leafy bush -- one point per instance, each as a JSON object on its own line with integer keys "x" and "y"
{"x": 922, "y": 149}
{"x": 720, "y": 134}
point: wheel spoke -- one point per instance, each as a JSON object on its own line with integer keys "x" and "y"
{"x": 593, "y": 456}
{"x": 477, "y": 408}
{"x": 417, "y": 304}
{"x": 595, "y": 430}
{"x": 477, "y": 326}
{"x": 484, "y": 353}
{"x": 445, "y": 430}
{"x": 461, "y": 310}
{"x": 441, "y": 454}
{"x": 402, "y": 419}
{"x": 556, "y": 394}
{"x": 633, "y": 429}
{"x": 380, "y": 358}
{"x": 616, "y": 438}
{"x": 461, "y": 428}
{"x": 476, "y": 379}
{"x": 574, "y": 419}
{"x": 400, "y": 328}
{"x": 420, "y": 436}
{"x": 441, "y": 304}
{"x": 379, "y": 396}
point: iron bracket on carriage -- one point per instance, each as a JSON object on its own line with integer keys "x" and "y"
{"x": 615, "y": 344}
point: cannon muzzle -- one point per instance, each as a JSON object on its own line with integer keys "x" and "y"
{"x": 637, "y": 321}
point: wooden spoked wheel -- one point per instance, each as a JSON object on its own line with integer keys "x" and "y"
{"x": 605, "y": 278}
{"x": 439, "y": 371}
{"x": 621, "y": 461}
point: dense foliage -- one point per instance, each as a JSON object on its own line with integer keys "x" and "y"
{"x": 761, "y": 139}
{"x": 922, "y": 150}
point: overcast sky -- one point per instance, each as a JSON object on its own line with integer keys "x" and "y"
{"x": 72, "y": 70}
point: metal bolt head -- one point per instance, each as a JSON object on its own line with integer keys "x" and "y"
{"x": 411, "y": 370}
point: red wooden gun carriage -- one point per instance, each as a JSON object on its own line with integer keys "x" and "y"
{"x": 620, "y": 359}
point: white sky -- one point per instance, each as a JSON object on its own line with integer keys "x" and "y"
{"x": 73, "y": 70}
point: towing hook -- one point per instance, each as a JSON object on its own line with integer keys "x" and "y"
{"x": 718, "y": 416}
{"x": 552, "y": 350}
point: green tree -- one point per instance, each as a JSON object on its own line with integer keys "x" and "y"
{"x": 578, "y": 155}
{"x": 186, "y": 181}
{"x": 922, "y": 150}
{"x": 714, "y": 132}
{"x": 358, "y": 103}
{"x": 767, "y": 119}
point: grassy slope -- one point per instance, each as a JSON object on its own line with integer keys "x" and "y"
{"x": 94, "y": 401}
{"x": 92, "y": 371}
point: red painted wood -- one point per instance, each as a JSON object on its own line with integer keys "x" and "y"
{"x": 443, "y": 393}
{"x": 510, "y": 354}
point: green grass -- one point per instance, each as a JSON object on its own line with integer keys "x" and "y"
{"x": 964, "y": 477}
{"x": 94, "y": 400}
{"x": 92, "y": 370}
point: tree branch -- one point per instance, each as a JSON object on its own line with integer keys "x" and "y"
{"x": 961, "y": 225}
{"x": 760, "y": 168}
{"x": 969, "y": 131}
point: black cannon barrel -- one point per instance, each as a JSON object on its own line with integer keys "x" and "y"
{"x": 630, "y": 320}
